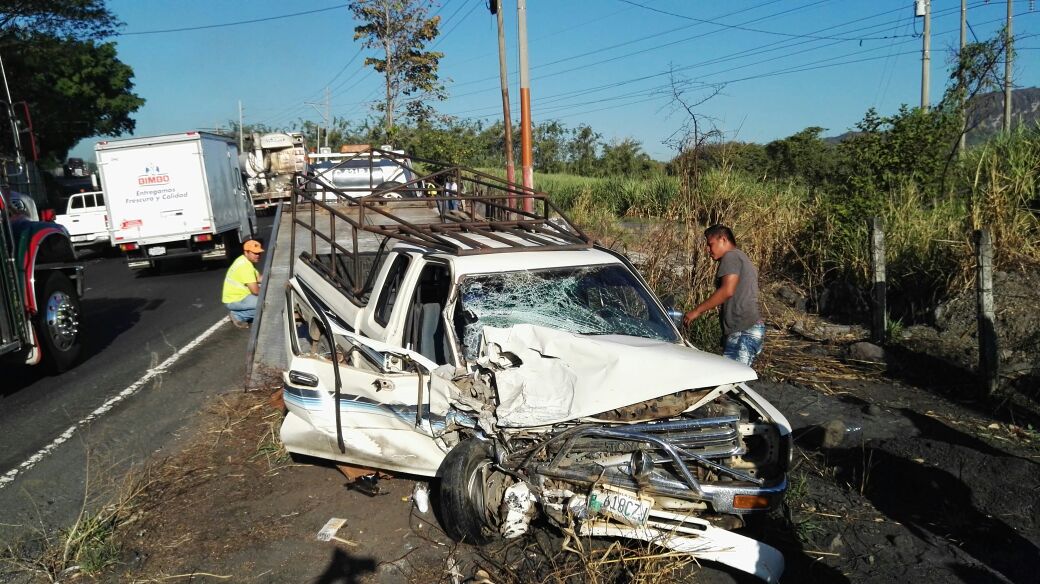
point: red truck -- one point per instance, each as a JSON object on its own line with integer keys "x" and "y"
{"x": 40, "y": 287}
{"x": 40, "y": 280}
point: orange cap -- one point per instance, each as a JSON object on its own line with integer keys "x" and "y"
{"x": 253, "y": 246}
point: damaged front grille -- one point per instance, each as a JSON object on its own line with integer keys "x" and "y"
{"x": 704, "y": 437}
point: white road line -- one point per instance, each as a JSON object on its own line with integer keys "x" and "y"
{"x": 105, "y": 407}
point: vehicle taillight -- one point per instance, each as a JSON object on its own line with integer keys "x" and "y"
{"x": 128, "y": 246}
{"x": 203, "y": 237}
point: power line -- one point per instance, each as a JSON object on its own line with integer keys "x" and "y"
{"x": 226, "y": 24}
{"x": 819, "y": 64}
{"x": 778, "y": 45}
{"x": 758, "y": 30}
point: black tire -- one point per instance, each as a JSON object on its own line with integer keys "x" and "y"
{"x": 232, "y": 246}
{"x": 57, "y": 321}
{"x": 392, "y": 193}
{"x": 465, "y": 514}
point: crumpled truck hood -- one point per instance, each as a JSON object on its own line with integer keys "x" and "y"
{"x": 563, "y": 376}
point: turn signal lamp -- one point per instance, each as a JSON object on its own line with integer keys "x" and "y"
{"x": 127, "y": 246}
{"x": 203, "y": 237}
{"x": 750, "y": 502}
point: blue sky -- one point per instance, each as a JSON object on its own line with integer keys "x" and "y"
{"x": 784, "y": 64}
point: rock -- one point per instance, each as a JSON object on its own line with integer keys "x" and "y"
{"x": 819, "y": 351}
{"x": 792, "y": 298}
{"x": 873, "y": 410}
{"x": 836, "y": 543}
{"x": 864, "y": 351}
{"x": 833, "y": 434}
{"x": 835, "y": 330}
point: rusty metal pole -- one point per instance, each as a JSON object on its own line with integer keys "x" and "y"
{"x": 507, "y": 121}
{"x": 526, "y": 157}
{"x": 507, "y": 115}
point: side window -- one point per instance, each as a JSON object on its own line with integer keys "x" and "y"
{"x": 100, "y": 199}
{"x": 77, "y": 203}
{"x": 391, "y": 289}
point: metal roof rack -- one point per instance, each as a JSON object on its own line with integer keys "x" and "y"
{"x": 345, "y": 224}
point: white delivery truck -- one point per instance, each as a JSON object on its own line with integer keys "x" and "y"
{"x": 173, "y": 196}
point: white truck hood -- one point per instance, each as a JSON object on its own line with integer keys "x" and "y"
{"x": 563, "y": 376}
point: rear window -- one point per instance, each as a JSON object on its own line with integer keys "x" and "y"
{"x": 77, "y": 203}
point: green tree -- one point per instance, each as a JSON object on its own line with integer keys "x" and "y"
{"x": 58, "y": 63}
{"x": 802, "y": 155}
{"x": 625, "y": 157}
{"x": 74, "y": 89}
{"x": 400, "y": 29}
{"x": 64, "y": 19}
{"x": 548, "y": 142}
{"x": 581, "y": 150}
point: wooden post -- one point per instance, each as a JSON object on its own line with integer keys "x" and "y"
{"x": 879, "y": 313}
{"x": 989, "y": 357}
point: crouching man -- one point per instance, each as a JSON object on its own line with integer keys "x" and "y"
{"x": 242, "y": 285}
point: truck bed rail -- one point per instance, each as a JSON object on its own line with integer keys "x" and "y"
{"x": 343, "y": 231}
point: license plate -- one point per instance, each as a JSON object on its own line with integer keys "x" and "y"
{"x": 79, "y": 238}
{"x": 157, "y": 250}
{"x": 624, "y": 506}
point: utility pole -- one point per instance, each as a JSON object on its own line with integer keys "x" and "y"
{"x": 526, "y": 157}
{"x": 241, "y": 138}
{"x": 961, "y": 144}
{"x": 1007, "y": 71}
{"x": 325, "y": 119}
{"x": 328, "y": 118}
{"x": 504, "y": 74}
{"x": 924, "y": 8}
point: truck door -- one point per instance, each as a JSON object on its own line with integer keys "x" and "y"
{"x": 243, "y": 202}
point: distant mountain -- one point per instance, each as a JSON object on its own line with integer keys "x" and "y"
{"x": 986, "y": 114}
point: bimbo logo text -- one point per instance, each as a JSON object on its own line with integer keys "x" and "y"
{"x": 153, "y": 176}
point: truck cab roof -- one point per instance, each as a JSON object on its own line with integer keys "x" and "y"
{"x": 486, "y": 263}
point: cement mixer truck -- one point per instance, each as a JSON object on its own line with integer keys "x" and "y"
{"x": 269, "y": 165}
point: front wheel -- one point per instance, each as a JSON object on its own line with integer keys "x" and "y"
{"x": 58, "y": 321}
{"x": 393, "y": 191}
{"x": 471, "y": 493}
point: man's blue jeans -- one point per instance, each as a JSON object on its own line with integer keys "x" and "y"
{"x": 744, "y": 345}
{"x": 244, "y": 310}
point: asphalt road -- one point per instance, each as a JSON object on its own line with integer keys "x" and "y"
{"x": 132, "y": 323}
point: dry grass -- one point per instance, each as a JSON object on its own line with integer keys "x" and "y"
{"x": 89, "y": 546}
{"x": 543, "y": 559}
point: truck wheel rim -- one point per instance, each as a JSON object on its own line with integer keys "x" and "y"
{"x": 62, "y": 321}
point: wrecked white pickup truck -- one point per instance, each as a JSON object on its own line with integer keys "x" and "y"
{"x": 527, "y": 369}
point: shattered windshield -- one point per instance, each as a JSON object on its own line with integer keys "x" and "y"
{"x": 596, "y": 300}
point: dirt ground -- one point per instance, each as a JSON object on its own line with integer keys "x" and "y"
{"x": 900, "y": 474}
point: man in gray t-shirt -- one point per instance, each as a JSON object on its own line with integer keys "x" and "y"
{"x": 736, "y": 291}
